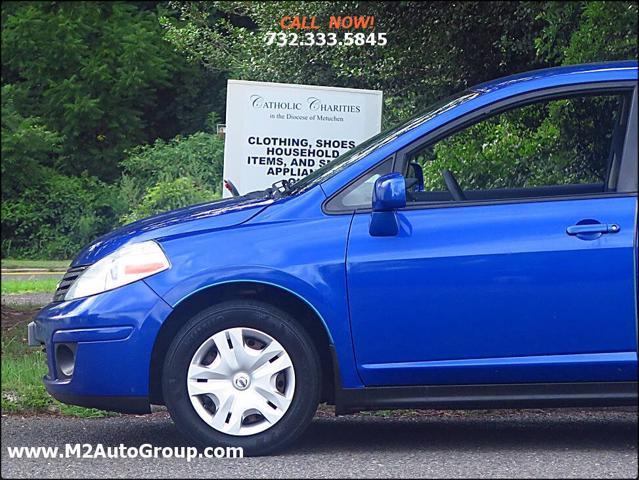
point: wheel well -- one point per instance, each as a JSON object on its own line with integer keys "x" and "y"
{"x": 301, "y": 311}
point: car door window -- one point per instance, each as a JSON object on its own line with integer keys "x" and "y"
{"x": 566, "y": 146}
{"x": 359, "y": 194}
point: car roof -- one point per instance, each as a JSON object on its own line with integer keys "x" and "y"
{"x": 613, "y": 68}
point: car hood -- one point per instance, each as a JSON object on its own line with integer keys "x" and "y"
{"x": 189, "y": 220}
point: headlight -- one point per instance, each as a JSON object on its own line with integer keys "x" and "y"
{"x": 125, "y": 265}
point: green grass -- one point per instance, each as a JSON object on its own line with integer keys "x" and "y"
{"x": 19, "y": 285}
{"x": 46, "y": 264}
{"x": 22, "y": 370}
{"x": 22, "y": 366}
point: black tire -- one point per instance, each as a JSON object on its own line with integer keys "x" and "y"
{"x": 270, "y": 320}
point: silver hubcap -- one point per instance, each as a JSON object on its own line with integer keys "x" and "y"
{"x": 241, "y": 381}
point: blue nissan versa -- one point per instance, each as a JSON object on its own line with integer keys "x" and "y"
{"x": 409, "y": 272}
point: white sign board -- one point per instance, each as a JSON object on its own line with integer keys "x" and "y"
{"x": 278, "y": 131}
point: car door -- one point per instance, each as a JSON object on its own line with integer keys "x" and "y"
{"x": 509, "y": 285}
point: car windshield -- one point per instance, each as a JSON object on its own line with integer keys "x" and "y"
{"x": 360, "y": 151}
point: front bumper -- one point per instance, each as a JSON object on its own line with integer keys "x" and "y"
{"x": 99, "y": 348}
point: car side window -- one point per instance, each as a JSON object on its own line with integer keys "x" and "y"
{"x": 556, "y": 147}
{"x": 359, "y": 194}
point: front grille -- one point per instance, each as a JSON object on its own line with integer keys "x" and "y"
{"x": 69, "y": 278}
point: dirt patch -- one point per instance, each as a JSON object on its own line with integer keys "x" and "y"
{"x": 12, "y": 317}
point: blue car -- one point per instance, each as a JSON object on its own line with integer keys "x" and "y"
{"x": 481, "y": 255}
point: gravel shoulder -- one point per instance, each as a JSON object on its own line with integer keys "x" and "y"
{"x": 26, "y": 300}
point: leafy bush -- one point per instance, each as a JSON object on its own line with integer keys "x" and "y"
{"x": 45, "y": 213}
{"x": 169, "y": 175}
{"x": 170, "y": 195}
{"x": 199, "y": 156}
{"x": 56, "y": 215}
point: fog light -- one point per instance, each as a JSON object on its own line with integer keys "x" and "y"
{"x": 65, "y": 360}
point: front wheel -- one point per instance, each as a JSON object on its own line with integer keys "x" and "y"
{"x": 242, "y": 374}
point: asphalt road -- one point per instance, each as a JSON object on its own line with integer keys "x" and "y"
{"x": 528, "y": 443}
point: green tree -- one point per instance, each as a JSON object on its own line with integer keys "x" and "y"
{"x": 101, "y": 75}
{"x": 434, "y": 48}
{"x": 27, "y": 144}
{"x": 82, "y": 82}
{"x": 582, "y": 32}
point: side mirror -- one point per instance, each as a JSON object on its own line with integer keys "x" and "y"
{"x": 389, "y": 194}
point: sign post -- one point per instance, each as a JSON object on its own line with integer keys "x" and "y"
{"x": 278, "y": 131}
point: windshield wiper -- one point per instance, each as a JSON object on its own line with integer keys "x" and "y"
{"x": 281, "y": 188}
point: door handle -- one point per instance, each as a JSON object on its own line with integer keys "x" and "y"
{"x": 591, "y": 228}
